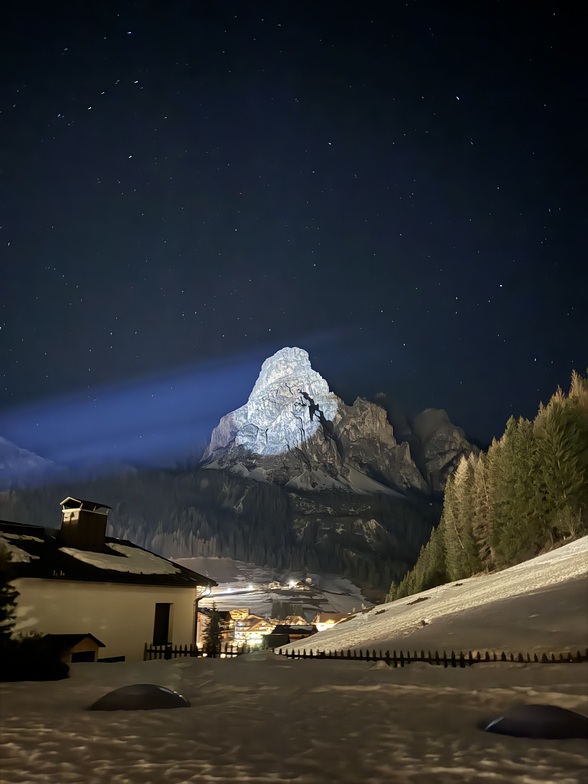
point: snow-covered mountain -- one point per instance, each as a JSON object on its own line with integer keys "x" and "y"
{"x": 294, "y": 432}
{"x": 293, "y": 478}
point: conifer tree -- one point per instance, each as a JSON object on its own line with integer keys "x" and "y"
{"x": 515, "y": 534}
{"x": 212, "y": 634}
{"x": 459, "y": 543}
{"x": 8, "y": 597}
{"x": 481, "y": 523}
{"x": 450, "y": 528}
{"x": 465, "y": 513}
{"x": 434, "y": 571}
{"x": 493, "y": 485}
{"x": 561, "y": 432}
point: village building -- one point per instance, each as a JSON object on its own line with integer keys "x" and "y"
{"x": 326, "y": 620}
{"x": 77, "y": 581}
{"x": 283, "y": 634}
{"x": 243, "y": 626}
{"x": 295, "y": 620}
{"x": 77, "y": 647}
{"x": 240, "y": 614}
{"x": 255, "y": 635}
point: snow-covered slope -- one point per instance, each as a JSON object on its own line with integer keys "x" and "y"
{"x": 381, "y": 626}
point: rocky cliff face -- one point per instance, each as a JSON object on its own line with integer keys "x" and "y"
{"x": 282, "y": 412}
{"x": 294, "y": 432}
{"x": 440, "y": 446}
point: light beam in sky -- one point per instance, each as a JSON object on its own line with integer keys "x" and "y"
{"x": 155, "y": 420}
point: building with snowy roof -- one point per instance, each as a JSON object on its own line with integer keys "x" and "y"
{"x": 326, "y": 620}
{"x": 76, "y": 580}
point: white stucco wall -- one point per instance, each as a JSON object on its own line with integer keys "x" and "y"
{"x": 119, "y": 615}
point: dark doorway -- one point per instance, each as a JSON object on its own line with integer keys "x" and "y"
{"x": 161, "y": 624}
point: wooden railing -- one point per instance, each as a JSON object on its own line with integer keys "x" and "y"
{"x": 443, "y": 659}
{"x": 393, "y": 659}
{"x": 169, "y": 651}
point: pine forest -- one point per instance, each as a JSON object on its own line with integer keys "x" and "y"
{"x": 525, "y": 495}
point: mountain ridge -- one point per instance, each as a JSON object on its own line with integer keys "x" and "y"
{"x": 294, "y": 479}
{"x": 295, "y": 432}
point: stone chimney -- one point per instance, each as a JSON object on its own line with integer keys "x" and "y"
{"x": 83, "y": 524}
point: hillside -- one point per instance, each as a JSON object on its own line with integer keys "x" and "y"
{"x": 368, "y": 538}
{"x": 462, "y": 614}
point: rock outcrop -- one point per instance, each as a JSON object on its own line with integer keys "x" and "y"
{"x": 441, "y": 445}
{"x": 295, "y": 432}
{"x": 283, "y": 411}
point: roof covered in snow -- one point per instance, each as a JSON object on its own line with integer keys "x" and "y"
{"x": 39, "y": 552}
{"x": 80, "y": 503}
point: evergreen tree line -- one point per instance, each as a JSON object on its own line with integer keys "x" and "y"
{"x": 525, "y": 495}
{"x": 215, "y": 513}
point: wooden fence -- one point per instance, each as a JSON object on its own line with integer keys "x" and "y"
{"x": 394, "y": 659}
{"x": 170, "y": 651}
{"x": 453, "y": 659}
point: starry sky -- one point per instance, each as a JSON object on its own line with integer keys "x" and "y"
{"x": 186, "y": 187}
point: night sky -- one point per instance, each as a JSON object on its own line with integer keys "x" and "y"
{"x": 186, "y": 187}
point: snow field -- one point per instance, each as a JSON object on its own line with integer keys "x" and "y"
{"x": 261, "y": 718}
